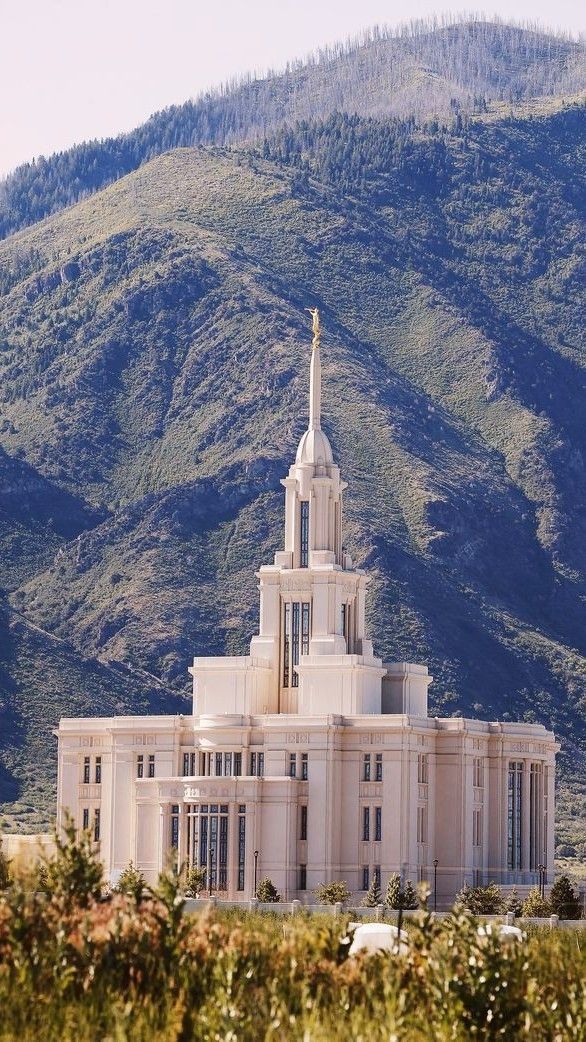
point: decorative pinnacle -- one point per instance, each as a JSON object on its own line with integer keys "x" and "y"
{"x": 315, "y": 374}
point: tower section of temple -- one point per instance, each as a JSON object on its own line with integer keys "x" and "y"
{"x": 312, "y": 601}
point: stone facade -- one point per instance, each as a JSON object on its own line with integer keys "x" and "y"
{"x": 310, "y": 759}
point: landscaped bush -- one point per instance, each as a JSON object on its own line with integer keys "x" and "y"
{"x": 564, "y": 900}
{"x": 333, "y": 893}
{"x": 398, "y": 896}
{"x": 482, "y": 900}
{"x": 76, "y": 967}
{"x": 266, "y": 892}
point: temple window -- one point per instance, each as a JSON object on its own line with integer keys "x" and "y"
{"x": 378, "y": 824}
{"x": 304, "y": 533}
{"x": 514, "y": 816}
{"x": 303, "y": 822}
{"x": 296, "y": 636}
{"x": 241, "y": 845}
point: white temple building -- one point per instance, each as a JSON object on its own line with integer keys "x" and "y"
{"x": 310, "y": 759}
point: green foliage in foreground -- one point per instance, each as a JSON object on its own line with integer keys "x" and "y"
{"x": 124, "y": 970}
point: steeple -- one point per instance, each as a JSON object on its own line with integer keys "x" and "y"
{"x": 315, "y": 374}
{"x": 314, "y": 447}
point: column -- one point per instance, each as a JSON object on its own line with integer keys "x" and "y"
{"x": 164, "y": 825}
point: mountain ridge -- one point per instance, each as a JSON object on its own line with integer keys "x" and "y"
{"x": 425, "y": 70}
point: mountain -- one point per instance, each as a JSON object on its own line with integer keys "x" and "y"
{"x": 428, "y": 69}
{"x": 153, "y": 372}
{"x": 41, "y": 679}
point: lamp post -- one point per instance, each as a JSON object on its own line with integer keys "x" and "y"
{"x": 435, "y": 864}
{"x": 255, "y": 870}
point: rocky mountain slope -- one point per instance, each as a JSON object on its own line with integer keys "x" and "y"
{"x": 153, "y": 371}
{"x": 429, "y": 69}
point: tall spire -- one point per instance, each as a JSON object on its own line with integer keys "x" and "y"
{"x": 315, "y": 374}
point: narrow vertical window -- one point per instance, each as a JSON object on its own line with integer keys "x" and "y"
{"x": 253, "y": 764}
{"x": 303, "y": 877}
{"x": 366, "y": 823}
{"x": 175, "y": 826}
{"x": 295, "y": 643}
{"x": 223, "y": 851}
{"x": 286, "y": 643}
{"x": 514, "y": 811}
{"x": 86, "y": 817}
{"x": 192, "y": 763}
{"x": 227, "y": 765}
{"x": 343, "y": 614}
{"x": 241, "y": 845}
{"x": 140, "y": 766}
{"x": 185, "y": 764}
{"x": 151, "y": 765}
{"x": 261, "y": 764}
{"x": 305, "y": 627}
{"x": 304, "y": 533}
{"x": 98, "y": 774}
{"x": 237, "y": 764}
{"x": 218, "y": 765}
{"x": 303, "y": 823}
{"x": 292, "y": 765}
{"x": 378, "y": 824}
{"x": 366, "y": 767}
{"x": 97, "y": 824}
{"x": 86, "y": 770}
{"x": 379, "y": 767}
{"x": 304, "y": 766}
{"x": 376, "y": 875}
{"x": 365, "y": 877}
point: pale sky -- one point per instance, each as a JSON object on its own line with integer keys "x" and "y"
{"x": 71, "y": 70}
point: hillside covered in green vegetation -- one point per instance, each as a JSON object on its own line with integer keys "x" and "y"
{"x": 428, "y": 69}
{"x": 153, "y": 386}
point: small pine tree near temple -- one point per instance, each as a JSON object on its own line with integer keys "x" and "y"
{"x": 194, "y": 880}
{"x": 481, "y": 900}
{"x": 333, "y": 893}
{"x": 374, "y": 896}
{"x": 266, "y": 892}
{"x": 564, "y": 900}
{"x": 131, "y": 882}
{"x": 4, "y": 870}
{"x": 409, "y": 896}
{"x": 74, "y": 872}
{"x": 393, "y": 894}
{"x": 535, "y": 906}
{"x": 513, "y": 903}
{"x": 398, "y": 896}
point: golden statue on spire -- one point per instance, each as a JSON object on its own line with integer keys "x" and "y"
{"x": 316, "y": 328}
